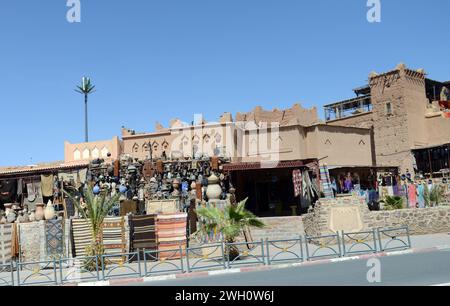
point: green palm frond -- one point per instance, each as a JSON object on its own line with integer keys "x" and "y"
{"x": 86, "y": 86}
{"x": 97, "y": 208}
{"x": 230, "y": 221}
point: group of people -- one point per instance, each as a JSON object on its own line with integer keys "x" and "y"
{"x": 414, "y": 190}
{"x": 344, "y": 185}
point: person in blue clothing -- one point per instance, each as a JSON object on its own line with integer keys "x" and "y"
{"x": 421, "y": 194}
{"x": 334, "y": 186}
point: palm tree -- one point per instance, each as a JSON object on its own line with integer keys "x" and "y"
{"x": 230, "y": 221}
{"x": 86, "y": 88}
{"x": 94, "y": 209}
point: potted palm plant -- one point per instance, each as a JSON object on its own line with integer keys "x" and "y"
{"x": 94, "y": 209}
{"x": 230, "y": 222}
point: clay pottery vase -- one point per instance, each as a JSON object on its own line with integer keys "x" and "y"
{"x": 176, "y": 186}
{"x": 7, "y": 209}
{"x": 11, "y": 217}
{"x": 213, "y": 191}
{"x": 39, "y": 214}
{"x": 32, "y": 216}
{"x": 49, "y": 212}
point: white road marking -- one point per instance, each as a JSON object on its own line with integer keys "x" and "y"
{"x": 441, "y": 285}
{"x": 220, "y": 272}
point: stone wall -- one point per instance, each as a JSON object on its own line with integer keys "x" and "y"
{"x": 420, "y": 221}
{"x": 279, "y": 228}
{"x": 317, "y": 221}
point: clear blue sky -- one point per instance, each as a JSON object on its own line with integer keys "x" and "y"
{"x": 156, "y": 60}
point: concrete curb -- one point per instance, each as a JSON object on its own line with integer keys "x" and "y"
{"x": 129, "y": 281}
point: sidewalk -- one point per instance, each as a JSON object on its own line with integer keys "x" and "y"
{"x": 253, "y": 259}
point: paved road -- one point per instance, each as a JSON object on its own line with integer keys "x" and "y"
{"x": 403, "y": 270}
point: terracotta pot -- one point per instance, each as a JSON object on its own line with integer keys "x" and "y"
{"x": 39, "y": 214}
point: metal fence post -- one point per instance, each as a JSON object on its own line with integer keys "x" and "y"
{"x": 139, "y": 263}
{"x": 343, "y": 243}
{"x": 18, "y": 274}
{"x": 268, "y": 252}
{"x": 379, "y": 239}
{"x": 262, "y": 251}
{"x": 12, "y": 272}
{"x": 408, "y": 236}
{"x": 300, "y": 239}
{"x": 181, "y": 257}
{"x": 54, "y": 271}
{"x": 374, "y": 237}
{"x": 339, "y": 243}
{"x": 187, "y": 260}
{"x": 307, "y": 248}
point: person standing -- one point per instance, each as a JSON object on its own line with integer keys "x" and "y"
{"x": 334, "y": 186}
{"x": 421, "y": 194}
{"x": 348, "y": 184}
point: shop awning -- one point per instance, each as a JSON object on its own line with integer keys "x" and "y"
{"x": 269, "y": 165}
{"x": 42, "y": 168}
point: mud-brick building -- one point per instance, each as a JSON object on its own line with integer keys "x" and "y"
{"x": 408, "y": 117}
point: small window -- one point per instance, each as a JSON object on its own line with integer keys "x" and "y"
{"x": 389, "y": 111}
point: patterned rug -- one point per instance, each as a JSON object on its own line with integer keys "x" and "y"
{"x": 81, "y": 236}
{"x": 32, "y": 241}
{"x": 5, "y": 243}
{"x": 171, "y": 232}
{"x": 143, "y": 234}
{"x": 54, "y": 239}
{"x": 114, "y": 238}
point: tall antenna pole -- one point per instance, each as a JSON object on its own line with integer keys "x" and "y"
{"x": 86, "y": 88}
{"x": 86, "y": 133}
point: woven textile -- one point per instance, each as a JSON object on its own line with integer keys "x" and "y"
{"x": 5, "y": 243}
{"x": 171, "y": 232}
{"x": 326, "y": 182}
{"x": 47, "y": 185}
{"x": 81, "y": 235}
{"x": 297, "y": 181}
{"x": 15, "y": 249}
{"x": 114, "y": 238}
{"x": 54, "y": 235}
{"x": 143, "y": 233}
{"x": 32, "y": 241}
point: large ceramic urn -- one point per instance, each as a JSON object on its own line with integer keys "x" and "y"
{"x": 214, "y": 190}
{"x": 49, "y": 212}
{"x": 39, "y": 214}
